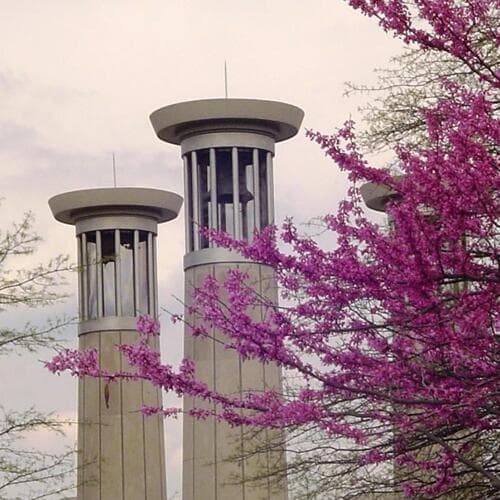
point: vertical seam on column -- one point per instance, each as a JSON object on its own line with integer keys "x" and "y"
{"x": 242, "y": 449}
{"x": 100, "y": 421}
{"x": 158, "y": 420}
{"x": 121, "y": 420}
{"x": 161, "y": 439}
{"x": 193, "y": 430}
{"x": 82, "y": 444}
{"x": 266, "y": 432}
{"x": 143, "y": 441}
{"x": 214, "y": 406}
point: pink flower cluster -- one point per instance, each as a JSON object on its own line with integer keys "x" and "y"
{"x": 393, "y": 333}
{"x": 80, "y": 363}
{"x": 146, "y": 325}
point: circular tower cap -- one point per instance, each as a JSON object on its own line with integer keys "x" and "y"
{"x": 158, "y": 204}
{"x": 376, "y": 195}
{"x": 175, "y": 122}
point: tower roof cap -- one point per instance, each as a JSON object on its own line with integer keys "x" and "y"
{"x": 376, "y": 196}
{"x": 177, "y": 121}
{"x": 158, "y": 204}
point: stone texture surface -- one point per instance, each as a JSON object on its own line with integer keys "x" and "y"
{"x": 121, "y": 453}
{"x": 218, "y": 459}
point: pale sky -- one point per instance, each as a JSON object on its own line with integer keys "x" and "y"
{"x": 78, "y": 80}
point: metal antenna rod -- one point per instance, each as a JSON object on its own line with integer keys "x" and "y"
{"x": 225, "y": 79}
{"x": 114, "y": 170}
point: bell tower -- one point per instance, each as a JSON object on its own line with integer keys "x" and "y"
{"x": 227, "y": 147}
{"x": 121, "y": 453}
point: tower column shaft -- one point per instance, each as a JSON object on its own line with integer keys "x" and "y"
{"x": 223, "y": 462}
{"x": 228, "y": 146}
{"x": 121, "y": 453}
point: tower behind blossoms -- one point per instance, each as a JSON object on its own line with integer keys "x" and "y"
{"x": 227, "y": 146}
{"x": 121, "y": 453}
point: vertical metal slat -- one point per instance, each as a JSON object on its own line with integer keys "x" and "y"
{"x": 213, "y": 189}
{"x": 187, "y": 207}
{"x": 270, "y": 188}
{"x": 196, "y": 201}
{"x": 155, "y": 277}
{"x": 236, "y": 194}
{"x": 136, "y": 272}
{"x": 84, "y": 272}
{"x": 256, "y": 189}
{"x": 151, "y": 286}
{"x": 80, "y": 277}
{"x": 118, "y": 275}
{"x": 98, "y": 264}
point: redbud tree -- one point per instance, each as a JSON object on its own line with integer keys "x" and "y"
{"x": 393, "y": 333}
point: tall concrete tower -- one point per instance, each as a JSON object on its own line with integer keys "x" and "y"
{"x": 227, "y": 146}
{"x": 121, "y": 453}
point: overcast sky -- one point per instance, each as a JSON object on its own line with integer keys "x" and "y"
{"x": 78, "y": 80}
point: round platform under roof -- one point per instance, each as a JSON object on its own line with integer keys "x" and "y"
{"x": 376, "y": 196}
{"x": 175, "y": 122}
{"x": 161, "y": 205}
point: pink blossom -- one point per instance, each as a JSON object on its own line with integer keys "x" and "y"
{"x": 147, "y": 325}
{"x": 393, "y": 334}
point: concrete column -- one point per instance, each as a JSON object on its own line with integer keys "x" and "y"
{"x": 213, "y": 465}
{"x": 121, "y": 453}
{"x": 217, "y": 462}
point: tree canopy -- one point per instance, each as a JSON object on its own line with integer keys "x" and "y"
{"x": 23, "y": 468}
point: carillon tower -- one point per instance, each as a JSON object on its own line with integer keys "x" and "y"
{"x": 227, "y": 146}
{"x": 121, "y": 453}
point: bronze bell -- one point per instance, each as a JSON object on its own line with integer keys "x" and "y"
{"x": 225, "y": 190}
